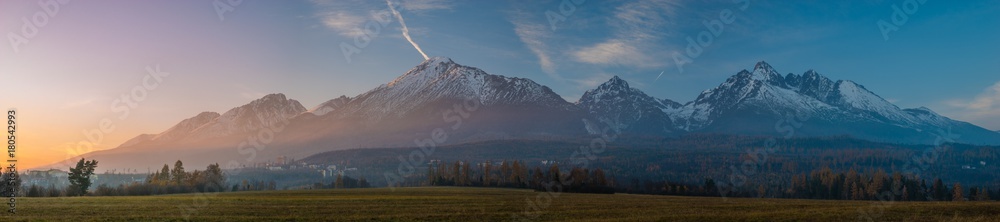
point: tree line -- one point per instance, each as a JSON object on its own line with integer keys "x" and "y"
{"x": 879, "y": 185}
{"x": 79, "y": 182}
{"x": 344, "y": 182}
{"x": 515, "y": 174}
{"x": 165, "y": 181}
{"x": 826, "y": 184}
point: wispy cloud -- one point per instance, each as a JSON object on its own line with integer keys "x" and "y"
{"x": 425, "y": 5}
{"x": 643, "y": 19}
{"x": 406, "y": 31}
{"x": 344, "y": 23}
{"x": 615, "y": 52}
{"x": 636, "y": 27}
{"x": 983, "y": 109}
{"x": 348, "y": 17}
{"x": 533, "y": 35}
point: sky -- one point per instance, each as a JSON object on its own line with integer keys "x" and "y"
{"x": 66, "y": 66}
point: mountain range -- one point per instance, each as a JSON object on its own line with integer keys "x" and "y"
{"x": 441, "y": 102}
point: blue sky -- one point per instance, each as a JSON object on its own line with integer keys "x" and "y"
{"x": 945, "y": 56}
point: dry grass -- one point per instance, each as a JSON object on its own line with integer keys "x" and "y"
{"x": 478, "y": 204}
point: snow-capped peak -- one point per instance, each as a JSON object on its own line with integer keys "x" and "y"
{"x": 426, "y": 71}
{"x": 617, "y": 81}
{"x": 275, "y": 101}
{"x": 615, "y": 84}
{"x": 765, "y": 73}
{"x": 762, "y": 65}
{"x": 438, "y": 59}
{"x": 856, "y": 95}
{"x": 812, "y": 74}
{"x": 853, "y": 96}
{"x": 440, "y": 78}
{"x": 628, "y": 109}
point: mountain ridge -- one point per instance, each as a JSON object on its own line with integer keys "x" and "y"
{"x": 440, "y": 94}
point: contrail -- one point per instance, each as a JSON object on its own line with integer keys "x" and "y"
{"x": 658, "y": 77}
{"x": 406, "y": 31}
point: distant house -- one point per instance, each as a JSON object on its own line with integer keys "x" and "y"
{"x": 44, "y": 173}
{"x": 281, "y": 160}
{"x": 35, "y": 173}
{"x": 274, "y": 168}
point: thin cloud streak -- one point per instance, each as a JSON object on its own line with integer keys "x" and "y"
{"x": 406, "y": 31}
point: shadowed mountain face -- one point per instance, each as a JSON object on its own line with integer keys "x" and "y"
{"x": 762, "y": 102}
{"x": 441, "y": 102}
{"x": 629, "y": 110}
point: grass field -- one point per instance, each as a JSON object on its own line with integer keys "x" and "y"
{"x": 477, "y": 204}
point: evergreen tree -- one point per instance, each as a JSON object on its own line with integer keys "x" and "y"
{"x": 709, "y": 186}
{"x": 363, "y": 183}
{"x": 79, "y": 176}
{"x": 52, "y": 191}
{"x": 601, "y": 180}
{"x": 164, "y": 174}
{"x": 973, "y": 193}
{"x": 178, "y": 175}
{"x": 214, "y": 177}
{"x": 938, "y": 190}
{"x": 33, "y": 191}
